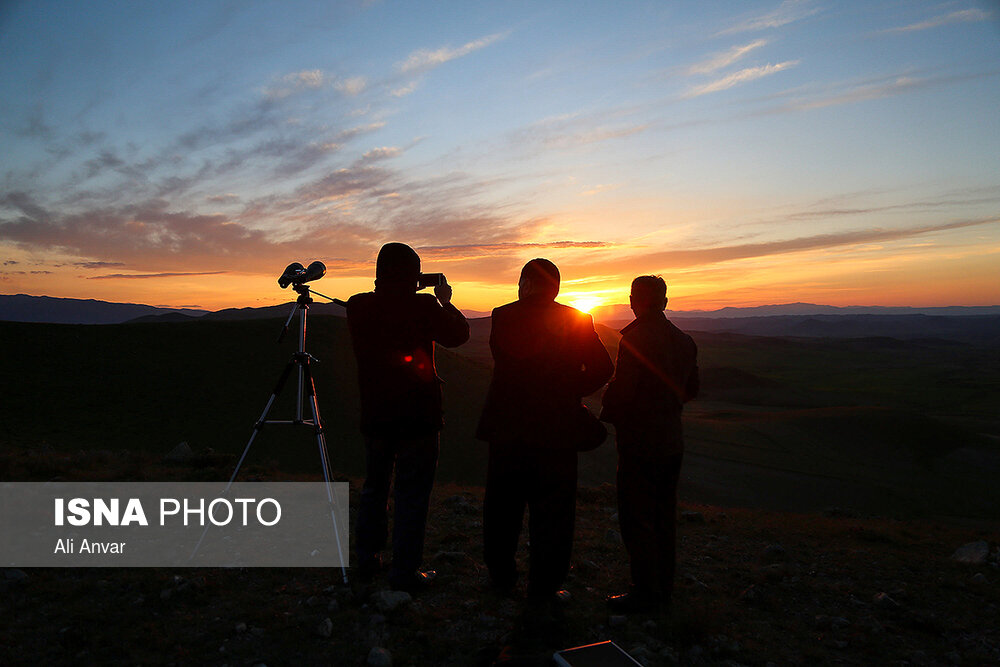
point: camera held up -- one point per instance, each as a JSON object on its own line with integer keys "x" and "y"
{"x": 425, "y": 280}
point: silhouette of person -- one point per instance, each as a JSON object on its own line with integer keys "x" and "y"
{"x": 393, "y": 332}
{"x": 655, "y": 374}
{"x": 547, "y": 356}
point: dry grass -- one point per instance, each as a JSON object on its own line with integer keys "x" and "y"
{"x": 753, "y": 587}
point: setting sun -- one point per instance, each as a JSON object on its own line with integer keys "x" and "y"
{"x": 585, "y": 302}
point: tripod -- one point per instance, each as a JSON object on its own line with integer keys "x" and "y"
{"x": 306, "y": 390}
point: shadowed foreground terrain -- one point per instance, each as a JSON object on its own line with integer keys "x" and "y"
{"x": 877, "y": 425}
{"x": 754, "y": 588}
{"x": 827, "y": 483}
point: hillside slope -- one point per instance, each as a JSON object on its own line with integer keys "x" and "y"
{"x": 883, "y": 426}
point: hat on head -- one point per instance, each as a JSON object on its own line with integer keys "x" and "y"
{"x": 397, "y": 263}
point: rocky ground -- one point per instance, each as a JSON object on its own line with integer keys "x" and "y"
{"x": 754, "y": 588}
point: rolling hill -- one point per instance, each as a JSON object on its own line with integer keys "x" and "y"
{"x": 881, "y": 425}
{"x": 976, "y": 324}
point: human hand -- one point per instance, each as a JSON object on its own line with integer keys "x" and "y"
{"x": 443, "y": 292}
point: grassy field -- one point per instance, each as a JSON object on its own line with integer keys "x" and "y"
{"x": 148, "y": 387}
{"x": 878, "y": 429}
{"x": 880, "y": 426}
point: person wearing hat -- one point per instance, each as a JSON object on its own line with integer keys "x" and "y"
{"x": 655, "y": 375}
{"x": 393, "y": 332}
{"x": 547, "y": 356}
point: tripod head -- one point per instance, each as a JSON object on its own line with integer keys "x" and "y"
{"x": 297, "y": 276}
{"x": 304, "y": 294}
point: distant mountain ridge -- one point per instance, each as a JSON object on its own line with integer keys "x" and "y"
{"x": 978, "y": 324}
{"x": 57, "y": 310}
{"x": 619, "y": 312}
{"x": 976, "y": 329}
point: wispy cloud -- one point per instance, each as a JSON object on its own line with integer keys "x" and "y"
{"x": 127, "y": 234}
{"x": 864, "y": 92}
{"x": 159, "y": 242}
{"x": 724, "y": 59}
{"x": 352, "y": 86}
{"x": 674, "y": 259}
{"x": 105, "y": 160}
{"x": 294, "y": 82}
{"x": 34, "y": 124}
{"x": 4, "y": 275}
{"x": 860, "y": 91}
{"x": 596, "y": 135}
{"x": 572, "y": 130}
{"x": 962, "y": 16}
{"x": 382, "y": 153}
{"x": 143, "y": 276}
{"x": 313, "y": 79}
{"x": 97, "y": 265}
{"x": 358, "y": 130}
{"x": 946, "y": 201}
{"x": 425, "y": 59}
{"x": 599, "y": 188}
{"x": 404, "y": 90}
{"x": 738, "y": 78}
{"x": 344, "y": 214}
{"x": 226, "y": 198}
{"x": 789, "y": 11}
{"x": 485, "y": 248}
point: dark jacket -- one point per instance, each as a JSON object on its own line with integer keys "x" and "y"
{"x": 393, "y": 336}
{"x": 655, "y": 375}
{"x": 546, "y": 357}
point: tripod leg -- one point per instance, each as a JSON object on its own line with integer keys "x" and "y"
{"x": 263, "y": 417}
{"x": 253, "y": 436}
{"x": 325, "y": 462}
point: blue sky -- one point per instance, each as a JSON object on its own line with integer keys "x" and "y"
{"x": 750, "y": 152}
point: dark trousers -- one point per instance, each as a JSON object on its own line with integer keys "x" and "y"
{"x": 544, "y": 481}
{"x": 647, "y": 513}
{"x": 414, "y": 461}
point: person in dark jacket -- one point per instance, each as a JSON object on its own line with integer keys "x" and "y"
{"x": 393, "y": 332}
{"x": 546, "y": 356}
{"x": 655, "y": 375}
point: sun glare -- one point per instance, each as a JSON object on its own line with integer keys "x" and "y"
{"x": 586, "y": 302}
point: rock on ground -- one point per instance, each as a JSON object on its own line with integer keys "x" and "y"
{"x": 975, "y": 553}
{"x": 391, "y": 600}
{"x": 179, "y": 454}
{"x": 379, "y": 657}
{"x": 325, "y": 627}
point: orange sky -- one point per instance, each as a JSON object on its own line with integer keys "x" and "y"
{"x": 912, "y": 274}
{"x": 774, "y": 152}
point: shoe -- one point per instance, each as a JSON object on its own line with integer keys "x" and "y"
{"x": 414, "y": 583}
{"x": 634, "y": 602}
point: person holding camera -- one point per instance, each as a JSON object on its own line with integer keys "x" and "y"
{"x": 655, "y": 375}
{"x": 393, "y": 332}
{"x": 547, "y": 356}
